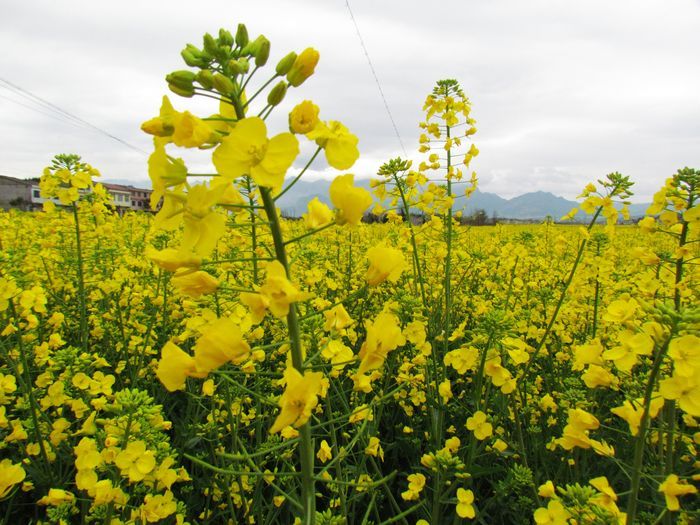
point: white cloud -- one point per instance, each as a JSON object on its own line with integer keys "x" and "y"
{"x": 563, "y": 92}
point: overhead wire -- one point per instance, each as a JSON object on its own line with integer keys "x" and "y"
{"x": 45, "y": 113}
{"x": 376, "y": 78}
{"x": 56, "y": 110}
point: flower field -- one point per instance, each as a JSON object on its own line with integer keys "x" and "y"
{"x": 215, "y": 363}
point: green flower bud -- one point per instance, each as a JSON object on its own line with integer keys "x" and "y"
{"x": 263, "y": 52}
{"x": 239, "y": 67}
{"x": 284, "y": 65}
{"x": 183, "y": 92}
{"x": 182, "y": 79}
{"x": 205, "y": 78}
{"x": 193, "y": 56}
{"x": 242, "y": 36}
{"x": 222, "y": 84}
{"x": 210, "y": 45}
{"x": 225, "y": 38}
{"x": 256, "y": 46}
{"x": 277, "y": 93}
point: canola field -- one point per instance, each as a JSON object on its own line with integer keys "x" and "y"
{"x": 215, "y": 363}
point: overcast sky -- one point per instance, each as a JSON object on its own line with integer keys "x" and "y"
{"x": 563, "y": 92}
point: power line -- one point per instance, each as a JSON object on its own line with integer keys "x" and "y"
{"x": 376, "y": 78}
{"x": 40, "y": 111}
{"x": 45, "y": 104}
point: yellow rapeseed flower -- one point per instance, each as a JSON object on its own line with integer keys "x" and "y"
{"x": 299, "y": 399}
{"x": 247, "y": 150}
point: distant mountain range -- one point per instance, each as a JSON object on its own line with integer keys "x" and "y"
{"x": 536, "y": 205}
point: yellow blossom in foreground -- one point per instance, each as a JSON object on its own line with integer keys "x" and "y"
{"x": 303, "y": 67}
{"x": 631, "y": 345}
{"x": 383, "y": 336}
{"x": 304, "y": 117}
{"x": 416, "y": 483}
{"x": 182, "y": 128}
{"x": 465, "y": 509}
{"x": 632, "y": 413}
{"x": 607, "y": 496}
{"x": 620, "y": 311}
{"x": 478, "y": 424}
{"x": 195, "y": 284}
{"x": 175, "y": 366}
{"x": 685, "y": 352}
{"x": 247, "y": 150}
{"x": 337, "y": 353}
{"x": 672, "y": 488}
{"x": 279, "y": 291}
{"x": 686, "y": 390}
{"x": 10, "y": 475}
{"x": 350, "y": 201}
{"x": 462, "y": 359}
{"x": 324, "y": 452}
{"x": 554, "y": 514}
{"x": 171, "y": 259}
{"x": 221, "y": 342}
{"x": 158, "y": 507}
{"x": 337, "y": 318}
{"x": 318, "y": 214}
{"x": 57, "y": 497}
{"x": 546, "y": 490}
{"x": 164, "y": 171}
{"x": 337, "y": 142}
{"x": 374, "y": 448}
{"x": 500, "y": 445}
{"x": 135, "y": 461}
{"x": 445, "y": 390}
{"x": 299, "y": 399}
{"x": 384, "y": 264}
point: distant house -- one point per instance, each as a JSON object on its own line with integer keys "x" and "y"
{"x": 16, "y": 193}
{"x": 130, "y": 196}
{"x": 24, "y": 194}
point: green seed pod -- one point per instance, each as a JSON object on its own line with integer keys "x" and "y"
{"x": 242, "y": 36}
{"x": 205, "y": 78}
{"x": 277, "y": 93}
{"x": 182, "y": 79}
{"x": 210, "y": 45}
{"x": 284, "y": 65}
{"x": 225, "y": 38}
{"x": 222, "y": 84}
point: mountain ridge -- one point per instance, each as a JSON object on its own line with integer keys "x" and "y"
{"x": 534, "y": 205}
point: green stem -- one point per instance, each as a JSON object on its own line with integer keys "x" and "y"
{"x": 81, "y": 283}
{"x": 253, "y": 229}
{"x": 303, "y": 170}
{"x": 309, "y": 233}
{"x": 641, "y": 435}
{"x": 416, "y": 261}
{"x": 306, "y": 450}
{"x": 27, "y": 383}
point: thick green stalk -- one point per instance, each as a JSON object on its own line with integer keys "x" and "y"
{"x": 253, "y": 230}
{"x": 418, "y": 276}
{"x": 33, "y": 404}
{"x": 306, "y": 450}
{"x": 642, "y": 433}
{"x": 81, "y": 283}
